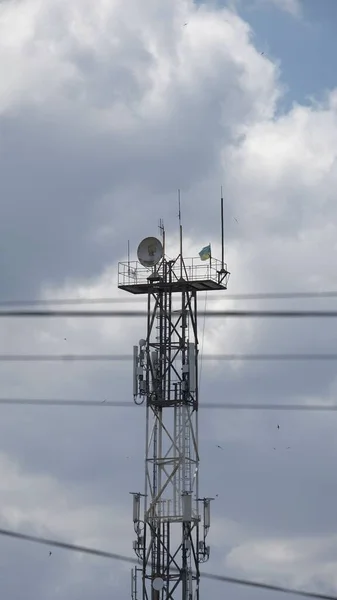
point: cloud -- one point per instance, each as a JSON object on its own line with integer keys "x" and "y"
{"x": 293, "y": 562}
{"x": 86, "y": 107}
{"x": 294, "y": 7}
{"x": 106, "y": 109}
{"x": 40, "y": 505}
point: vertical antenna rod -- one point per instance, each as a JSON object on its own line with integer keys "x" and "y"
{"x": 222, "y": 234}
{"x": 162, "y": 232}
{"x": 180, "y": 237}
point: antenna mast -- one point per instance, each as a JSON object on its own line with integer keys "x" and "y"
{"x": 222, "y": 234}
{"x": 171, "y": 521}
{"x": 180, "y": 237}
{"x": 162, "y": 232}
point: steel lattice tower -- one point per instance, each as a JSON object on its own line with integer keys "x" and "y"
{"x": 172, "y": 527}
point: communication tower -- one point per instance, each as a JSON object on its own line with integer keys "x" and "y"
{"x": 171, "y": 521}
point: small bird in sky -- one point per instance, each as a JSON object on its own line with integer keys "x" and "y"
{"x": 278, "y": 427}
{"x": 219, "y": 447}
{"x": 50, "y": 553}
{"x": 235, "y": 219}
{"x": 185, "y": 24}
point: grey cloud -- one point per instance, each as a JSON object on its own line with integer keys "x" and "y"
{"x": 55, "y": 576}
{"x": 63, "y": 177}
{"x": 76, "y": 182}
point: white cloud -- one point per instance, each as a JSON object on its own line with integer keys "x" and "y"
{"x": 121, "y": 104}
{"x": 127, "y": 112}
{"x": 300, "y": 563}
{"x": 57, "y": 52}
{"x": 294, "y": 7}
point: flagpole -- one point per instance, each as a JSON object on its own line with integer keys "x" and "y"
{"x": 210, "y": 259}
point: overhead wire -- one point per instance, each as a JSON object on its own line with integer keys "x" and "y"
{"x": 204, "y": 406}
{"x": 142, "y": 313}
{"x": 327, "y": 356}
{"x": 244, "y": 296}
{"x": 128, "y": 559}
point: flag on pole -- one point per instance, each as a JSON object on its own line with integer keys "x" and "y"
{"x": 205, "y": 253}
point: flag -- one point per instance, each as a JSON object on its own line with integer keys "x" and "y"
{"x": 205, "y": 253}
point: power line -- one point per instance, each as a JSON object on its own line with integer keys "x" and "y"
{"x": 122, "y": 558}
{"x": 271, "y": 357}
{"x": 56, "y": 402}
{"x": 279, "y": 295}
{"x": 266, "y": 586}
{"x": 205, "y": 406}
{"x": 64, "y": 357}
{"x": 141, "y": 313}
{"x": 65, "y": 546}
{"x": 326, "y": 356}
{"x": 246, "y": 296}
{"x": 293, "y": 407}
{"x": 128, "y": 357}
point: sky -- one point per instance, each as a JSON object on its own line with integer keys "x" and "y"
{"x": 106, "y": 109}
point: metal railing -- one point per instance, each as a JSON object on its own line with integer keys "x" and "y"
{"x": 133, "y": 273}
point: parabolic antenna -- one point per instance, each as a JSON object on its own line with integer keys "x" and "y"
{"x": 158, "y": 584}
{"x": 149, "y": 252}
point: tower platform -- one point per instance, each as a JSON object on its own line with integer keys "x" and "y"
{"x": 194, "y": 275}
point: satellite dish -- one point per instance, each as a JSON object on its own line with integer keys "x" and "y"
{"x": 158, "y": 584}
{"x": 149, "y": 252}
